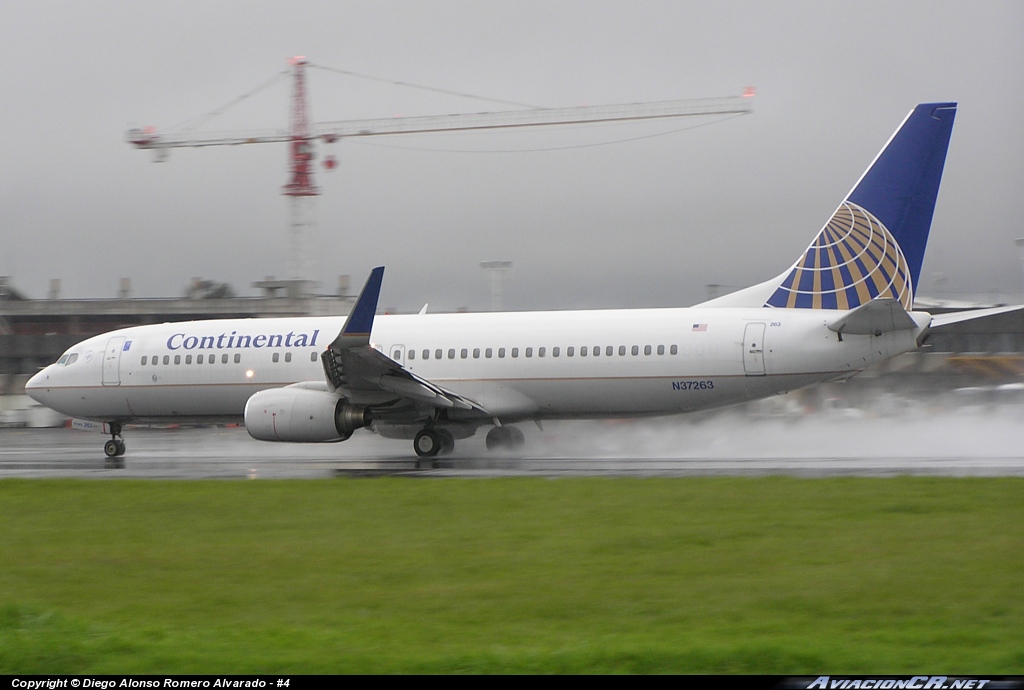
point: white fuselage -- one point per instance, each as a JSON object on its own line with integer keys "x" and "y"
{"x": 529, "y": 365}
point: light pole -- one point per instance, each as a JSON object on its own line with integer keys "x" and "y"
{"x": 497, "y": 269}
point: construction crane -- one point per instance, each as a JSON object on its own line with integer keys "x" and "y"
{"x": 301, "y": 135}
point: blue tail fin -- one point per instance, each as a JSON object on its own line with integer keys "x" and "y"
{"x": 873, "y": 246}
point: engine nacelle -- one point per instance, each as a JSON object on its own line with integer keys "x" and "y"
{"x": 302, "y": 415}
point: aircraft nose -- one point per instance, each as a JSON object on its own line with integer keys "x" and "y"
{"x": 35, "y": 385}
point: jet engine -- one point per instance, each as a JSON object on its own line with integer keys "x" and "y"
{"x": 302, "y": 415}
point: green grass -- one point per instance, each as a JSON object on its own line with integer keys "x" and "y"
{"x": 702, "y": 575}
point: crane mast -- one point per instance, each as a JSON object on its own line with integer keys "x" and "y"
{"x": 300, "y": 188}
{"x": 301, "y": 135}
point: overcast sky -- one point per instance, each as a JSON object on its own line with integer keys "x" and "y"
{"x": 647, "y": 222}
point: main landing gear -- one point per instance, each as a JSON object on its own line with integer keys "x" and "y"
{"x": 115, "y": 448}
{"x": 505, "y": 438}
{"x": 433, "y": 441}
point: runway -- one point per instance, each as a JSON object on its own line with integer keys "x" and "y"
{"x": 984, "y": 442}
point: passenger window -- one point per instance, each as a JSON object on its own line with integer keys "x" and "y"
{"x": 199, "y": 359}
{"x": 437, "y": 353}
{"x": 515, "y": 351}
{"x": 212, "y": 359}
{"x": 635, "y": 350}
{"x": 674, "y": 350}
{"x": 661, "y": 349}
{"x": 610, "y": 350}
{"x": 312, "y": 356}
{"x": 554, "y": 352}
{"x": 529, "y": 352}
{"x": 65, "y": 357}
{"x": 647, "y": 349}
{"x": 396, "y": 354}
{"x": 622, "y": 351}
{"x": 223, "y": 358}
{"x": 569, "y": 351}
{"x": 464, "y": 353}
{"x": 238, "y": 357}
{"x": 487, "y": 353}
{"x": 476, "y": 353}
{"x": 188, "y": 359}
{"x": 501, "y": 352}
{"x": 412, "y": 354}
{"x": 583, "y": 351}
{"x": 167, "y": 359}
{"x": 287, "y": 357}
{"x": 451, "y": 353}
{"x": 276, "y": 357}
{"x": 597, "y": 350}
{"x": 177, "y": 359}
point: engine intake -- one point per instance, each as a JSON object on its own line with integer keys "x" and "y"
{"x": 301, "y": 415}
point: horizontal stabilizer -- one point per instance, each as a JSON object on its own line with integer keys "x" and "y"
{"x": 874, "y": 318}
{"x": 940, "y": 320}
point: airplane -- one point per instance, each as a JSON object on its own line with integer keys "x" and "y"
{"x": 845, "y": 304}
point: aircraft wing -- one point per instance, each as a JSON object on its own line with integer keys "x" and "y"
{"x": 358, "y": 371}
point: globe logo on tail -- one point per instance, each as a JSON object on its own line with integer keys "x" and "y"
{"x": 853, "y": 260}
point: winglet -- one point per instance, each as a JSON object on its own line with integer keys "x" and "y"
{"x": 360, "y": 320}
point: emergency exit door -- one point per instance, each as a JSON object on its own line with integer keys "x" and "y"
{"x": 753, "y": 349}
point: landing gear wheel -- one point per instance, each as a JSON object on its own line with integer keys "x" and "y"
{"x": 427, "y": 443}
{"x": 114, "y": 448}
{"x": 447, "y": 441}
{"x": 517, "y": 437}
{"x": 504, "y": 438}
{"x": 499, "y": 438}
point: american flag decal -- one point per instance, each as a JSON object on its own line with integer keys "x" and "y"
{"x": 700, "y": 327}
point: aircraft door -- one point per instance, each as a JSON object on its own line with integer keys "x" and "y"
{"x": 112, "y": 361}
{"x": 398, "y": 354}
{"x": 753, "y": 349}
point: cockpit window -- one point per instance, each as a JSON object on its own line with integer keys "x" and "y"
{"x": 72, "y": 359}
{"x": 62, "y": 360}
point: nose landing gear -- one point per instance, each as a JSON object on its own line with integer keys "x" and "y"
{"x": 115, "y": 448}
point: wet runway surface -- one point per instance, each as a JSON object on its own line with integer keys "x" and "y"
{"x": 978, "y": 442}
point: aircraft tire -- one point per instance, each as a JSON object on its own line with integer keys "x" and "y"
{"x": 112, "y": 448}
{"x": 447, "y": 441}
{"x": 498, "y": 438}
{"x": 427, "y": 443}
{"x": 516, "y": 439}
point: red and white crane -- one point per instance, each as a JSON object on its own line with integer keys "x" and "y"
{"x": 301, "y": 135}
